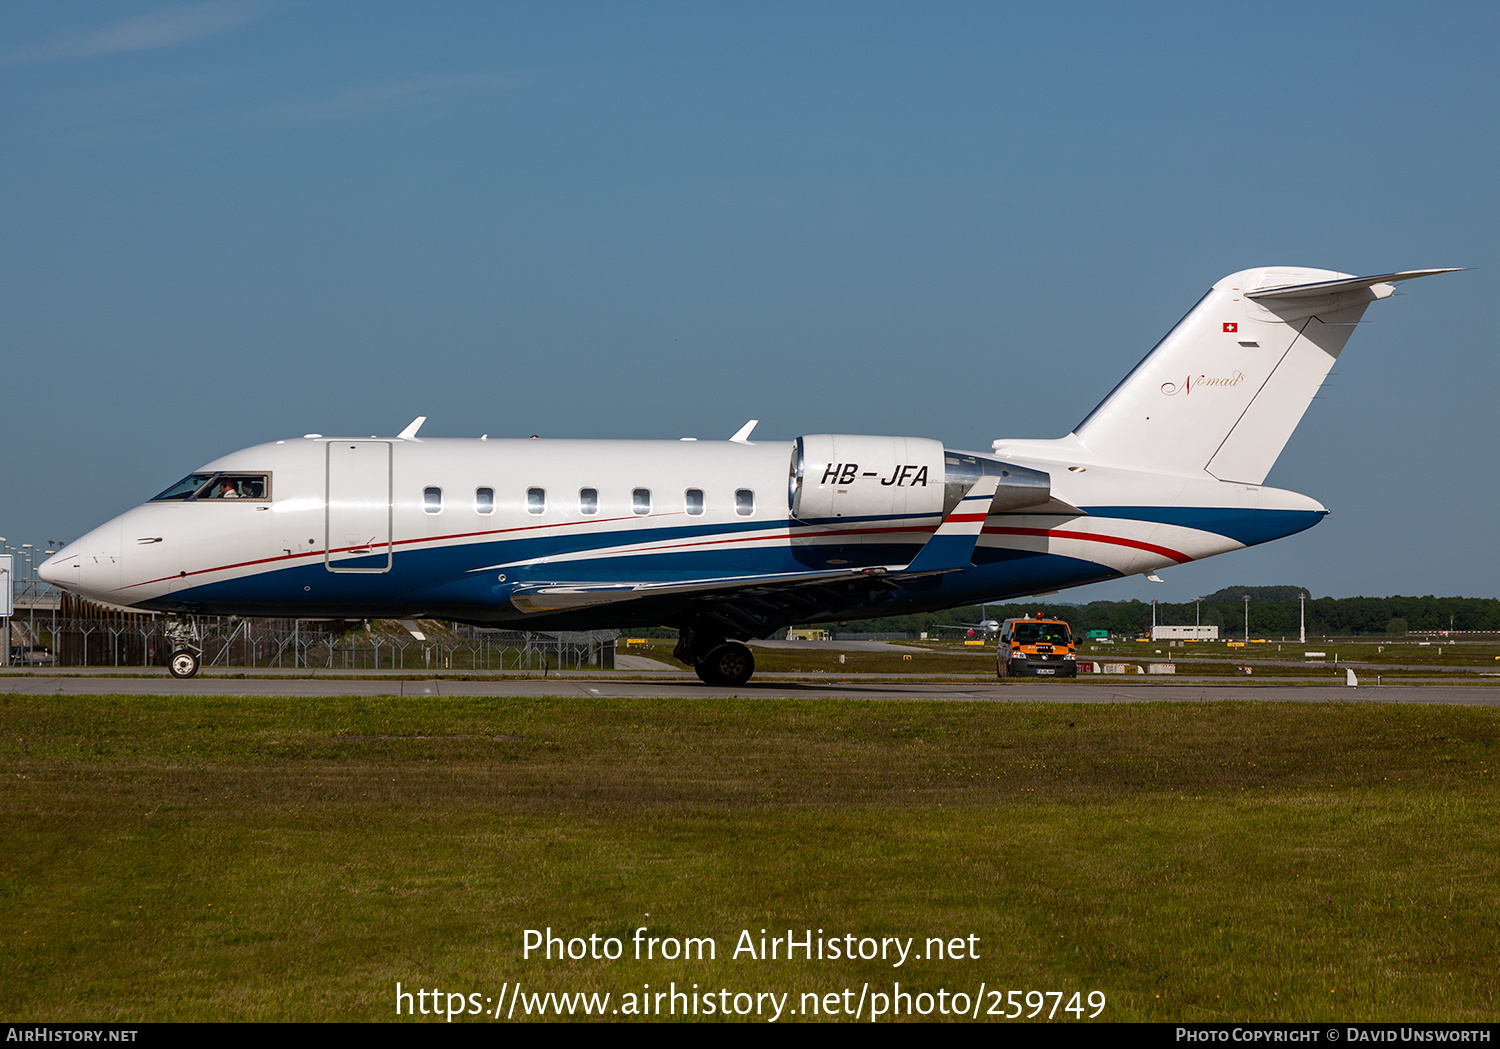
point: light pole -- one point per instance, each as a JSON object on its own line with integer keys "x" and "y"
{"x": 53, "y": 546}
{"x": 1247, "y": 619}
{"x": 1302, "y": 618}
{"x": 7, "y": 580}
{"x": 31, "y": 613}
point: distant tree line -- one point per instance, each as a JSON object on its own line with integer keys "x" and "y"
{"x": 1273, "y": 613}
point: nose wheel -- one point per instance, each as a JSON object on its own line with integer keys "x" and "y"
{"x": 187, "y": 646}
{"x": 183, "y": 663}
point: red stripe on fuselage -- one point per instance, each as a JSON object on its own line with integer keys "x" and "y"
{"x": 1058, "y": 533}
{"x": 393, "y": 545}
{"x": 1093, "y": 537}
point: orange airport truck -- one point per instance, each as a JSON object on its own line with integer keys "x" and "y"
{"x": 1036, "y": 647}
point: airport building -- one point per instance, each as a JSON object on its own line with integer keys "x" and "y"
{"x": 1184, "y": 633}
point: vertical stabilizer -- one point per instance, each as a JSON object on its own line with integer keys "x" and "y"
{"x": 1224, "y": 390}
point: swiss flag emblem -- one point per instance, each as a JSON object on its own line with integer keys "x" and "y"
{"x": 1231, "y": 327}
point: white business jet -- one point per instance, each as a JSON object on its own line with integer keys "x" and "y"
{"x": 986, "y": 627}
{"x": 732, "y": 540}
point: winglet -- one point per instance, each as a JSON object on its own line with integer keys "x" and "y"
{"x": 410, "y": 433}
{"x": 742, "y": 435}
{"x": 952, "y": 545}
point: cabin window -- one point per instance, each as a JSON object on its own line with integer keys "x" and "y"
{"x": 432, "y": 500}
{"x": 536, "y": 500}
{"x": 588, "y": 500}
{"x": 640, "y": 500}
{"x": 694, "y": 501}
{"x": 484, "y": 500}
{"x": 744, "y": 502}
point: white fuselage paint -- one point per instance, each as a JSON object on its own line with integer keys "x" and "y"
{"x": 226, "y": 555}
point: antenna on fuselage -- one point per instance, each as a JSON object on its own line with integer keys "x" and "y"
{"x": 410, "y": 433}
{"x": 742, "y": 435}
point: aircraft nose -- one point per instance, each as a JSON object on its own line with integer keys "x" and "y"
{"x": 88, "y": 567}
{"x": 62, "y": 568}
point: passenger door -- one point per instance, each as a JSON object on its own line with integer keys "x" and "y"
{"x": 359, "y": 507}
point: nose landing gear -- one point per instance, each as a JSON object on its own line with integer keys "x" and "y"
{"x": 183, "y": 663}
{"x": 187, "y": 650}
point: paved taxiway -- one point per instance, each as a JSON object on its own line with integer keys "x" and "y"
{"x": 1088, "y": 691}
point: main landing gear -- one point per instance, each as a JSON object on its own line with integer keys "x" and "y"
{"x": 717, "y": 661}
{"x": 187, "y": 649}
{"x": 728, "y": 664}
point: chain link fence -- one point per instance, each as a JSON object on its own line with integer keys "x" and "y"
{"x": 71, "y": 632}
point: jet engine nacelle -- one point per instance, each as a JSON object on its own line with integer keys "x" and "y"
{"x": 846, "y": 475}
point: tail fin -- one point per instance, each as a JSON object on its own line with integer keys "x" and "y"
{"x": 1224, "y": 390}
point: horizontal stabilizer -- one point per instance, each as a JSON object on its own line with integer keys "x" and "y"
{"x": 1332, "y": 287}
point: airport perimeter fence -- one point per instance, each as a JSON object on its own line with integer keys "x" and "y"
{"x": 74, "y": 633}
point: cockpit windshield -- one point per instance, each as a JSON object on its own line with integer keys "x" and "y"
{"x": 199, "y": 487}
{"x": 1046, "y": 633}
{"x": 184, "y": 488}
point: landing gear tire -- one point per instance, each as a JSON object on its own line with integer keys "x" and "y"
{"x": 728, "y": 665}
{"x": 183, "y": 663}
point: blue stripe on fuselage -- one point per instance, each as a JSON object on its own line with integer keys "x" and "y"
{"x": 446, "y": 574}
{"x": 1246, "y": 526}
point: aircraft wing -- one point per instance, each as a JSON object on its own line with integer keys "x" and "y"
{"x": 741, "y": 606}
{"x": 756, "y": 603}
{"x": 556, "y": 597}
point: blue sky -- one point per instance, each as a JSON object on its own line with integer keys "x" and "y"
{"x": 233, "y": 221}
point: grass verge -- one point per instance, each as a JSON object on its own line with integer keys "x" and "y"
{"x": 294, "y": 859}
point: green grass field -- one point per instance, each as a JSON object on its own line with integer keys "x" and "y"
{"x": 209, "y": 859}
{"x": 1406, "y": 661}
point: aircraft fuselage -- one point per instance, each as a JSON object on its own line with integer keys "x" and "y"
{"x": 451, "y": 528}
